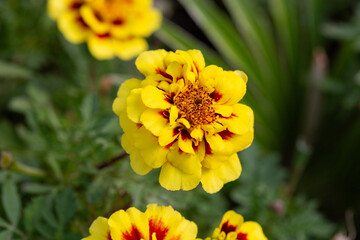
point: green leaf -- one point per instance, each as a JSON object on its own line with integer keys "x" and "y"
{"x": 3, "y": 223}
{"x": 178, "y": 38}
{"x": 65, "y": 205}
{"x": 5, "y": 235}
{"x": 32, "y": 214}
{"x": 11, "y": 201}
{"x": 89, "y": 108}
{"x": 36, "y": 188}
{"x": 20, "y": 104}
{"x": 11, "y": 70}
{"x": 222, "y": 33}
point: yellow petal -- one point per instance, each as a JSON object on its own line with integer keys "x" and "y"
{"x": 231, "y": 222}
{"x": 241, "y": 120}
{"x": 131, "y": 224}
{"x": 198, "y": 59}
{"x": 197, "y": 133}
{"x": 135, "y": 107}
{"x": 99, "y": 229}
{"x": 72, "y": 27}
{"x": 146, "y": 23}
{"x": 175, "y": 70}
{"x": 55, "y": 8}
{"x": 151, "y": 62}
{"x": 119, "y": 104}
{"x": 155, "y": 120}
{"x": 155, "y": 98}
{"x": 136, "y": 160}
{"x": 185, "y": 142}
{"x": 215, "y": 141}
{"x": 235, "y": 142}
{"x": 186, "y": 163}
{"x": 101, "y": 47}
{"x": 173, "y": 179}
{"x": 153, "y": 154}
{"x": 242, "y": 75}
{"x": 214, "y": 160}
{"x": 253, "y": 231}
{"x": 127, "y": 49}
{"x": 168, "y": 135}
{"x": 213, "y": 179}
{"x": 223, "y": 110}
{"x": 174, "y": 113}
{"x": 88, "y": 14}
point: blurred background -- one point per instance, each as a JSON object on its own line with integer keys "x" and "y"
{"x": 62, "y": 164}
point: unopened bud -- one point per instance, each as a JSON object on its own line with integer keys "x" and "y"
{"x": 6, "y": 160}
{"x": 278, "y": 206}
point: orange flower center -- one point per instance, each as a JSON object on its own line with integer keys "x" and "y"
{"x": 195, "y": 105}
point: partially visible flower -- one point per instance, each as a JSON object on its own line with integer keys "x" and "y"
{"x": 233, "y": 227}
{"x": 157, "y": 223}
{"x": 185, "y": 118}
{"x": 110, "y": 27}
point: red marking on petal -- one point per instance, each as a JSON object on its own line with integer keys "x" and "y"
{"x": 165, "y": 114}
{"x": 134, "y": 234}
{"x": 75, "y": 5}
{"x": 176, "y": 131}
{"x": 185, "y": 135}
{"x": 241, "y": 236}
{"x": 164, "y": 74}
{"x": 139, "y": 125}
{"x": 216, "y": 96}
{"x": 169, "y": 100}
{"x": 208, "y": 149}
{"x": 227, "y": 228}
{"x": 231, "y": 116}
{"x": 169, "y": 145}
{"x": 226, "y": 134}
{"x": 109, "y": 236}
{"x": 118, "y": 22}
{"x": 157, "y": 226}
{"x": 105, "y": 35}
{"x": 82, "y": 22}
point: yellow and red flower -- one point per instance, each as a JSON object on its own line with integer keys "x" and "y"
{"x": 233, "y": 227}
{"x": 185, "y": 118}
{"x": 110, "y": 27}
{"x": 157, "y": 223}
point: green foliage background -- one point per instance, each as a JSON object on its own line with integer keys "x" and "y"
{"x": 302, "y": 58}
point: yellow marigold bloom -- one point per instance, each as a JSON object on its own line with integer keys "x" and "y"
{"x": 157, "y": 223}
{"x": 110, "y": 27}
{"x": 185, "y": 118}
{"x": 233, "y": 227}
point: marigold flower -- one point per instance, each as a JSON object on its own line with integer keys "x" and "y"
{"x": 110, "y": 27}
{"x": 233, "y": 227}
{"x": 185, "y": 118}
{"x": 157, "y": 223}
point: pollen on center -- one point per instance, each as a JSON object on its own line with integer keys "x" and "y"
{"x": 195, "y": 105}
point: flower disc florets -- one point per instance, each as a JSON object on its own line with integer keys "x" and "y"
{"x": 156, "y": 223}
{"x": 185, "y": 118}
{"x": 233, "y": 227}
{"x": 110, "y": 27}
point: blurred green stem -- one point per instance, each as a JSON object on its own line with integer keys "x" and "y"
{"x": 7, "y": 162}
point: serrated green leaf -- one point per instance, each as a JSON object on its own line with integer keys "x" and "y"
{"x": 11, "y": 201}
{"x": 65, "y": 206}
{"x": 32, "y": 214}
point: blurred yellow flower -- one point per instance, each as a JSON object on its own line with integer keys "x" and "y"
{"x": 185, "y": 118}
{"x": 233, "y": 227}
{"x": 157, "y": 223}
{"x": 110, "y": 27}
